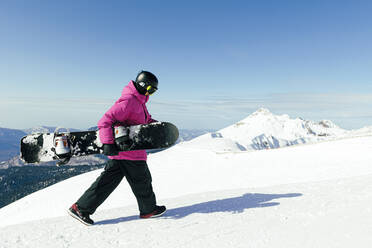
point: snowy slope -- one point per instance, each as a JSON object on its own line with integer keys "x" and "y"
{"x": 318, "y": 195}
{"x": 323, "y": 214}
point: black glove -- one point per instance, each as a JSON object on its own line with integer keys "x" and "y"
{"x": 110, "y": 150}
{"x": 124, "y": 143}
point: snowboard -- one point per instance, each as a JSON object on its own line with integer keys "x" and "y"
{"x": 61, "y": 146}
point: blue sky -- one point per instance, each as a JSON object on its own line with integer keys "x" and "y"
{"x": 63, "y": 63}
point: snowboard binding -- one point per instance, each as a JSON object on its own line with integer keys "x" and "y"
{"x": 62, "y": 146}
{"x": 122, "y": 139}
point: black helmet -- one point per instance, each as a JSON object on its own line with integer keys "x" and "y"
{"x": 146, "y": 83}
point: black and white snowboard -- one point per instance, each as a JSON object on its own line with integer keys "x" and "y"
{"x": 46, "y": 147}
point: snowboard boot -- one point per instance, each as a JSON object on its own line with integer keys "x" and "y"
{"x": 77, "y": 214}
{"x": 158, "y": 211}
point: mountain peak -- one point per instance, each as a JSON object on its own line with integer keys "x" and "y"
{"x": 262, "y": 111}
{"x": 260, "y": 115}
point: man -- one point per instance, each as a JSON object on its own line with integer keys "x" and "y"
{"x": 130, "y": 109}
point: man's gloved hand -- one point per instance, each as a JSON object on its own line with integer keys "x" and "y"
{"x": 124, "y": 143}
{"x": 110, "y": 150}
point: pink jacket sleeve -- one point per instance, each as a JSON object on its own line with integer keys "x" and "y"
{"x": 117, "y": 113}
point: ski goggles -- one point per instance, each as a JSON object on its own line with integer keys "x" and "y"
{"x": 150, "y": 90}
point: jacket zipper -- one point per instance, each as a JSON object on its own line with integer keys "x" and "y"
{"x": 144, "y": 110}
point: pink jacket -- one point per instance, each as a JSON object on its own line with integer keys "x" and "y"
{"x": 130, "y": 109}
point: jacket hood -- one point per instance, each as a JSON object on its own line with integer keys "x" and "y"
{"x": 130, "y": 89}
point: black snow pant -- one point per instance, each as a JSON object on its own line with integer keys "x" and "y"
{"x": 138, "y": 176}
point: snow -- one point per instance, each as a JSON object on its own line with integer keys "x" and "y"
{"x": 46, "y": 150}
{"x": 221, "y": 195}
{"x": 32, "y": 139}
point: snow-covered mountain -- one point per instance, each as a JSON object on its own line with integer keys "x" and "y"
{"x": 264, "y": 130}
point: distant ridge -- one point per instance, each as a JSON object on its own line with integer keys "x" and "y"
{"x": 260, "y": 130}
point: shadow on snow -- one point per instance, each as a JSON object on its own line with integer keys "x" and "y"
{"x": 233, "y": 205}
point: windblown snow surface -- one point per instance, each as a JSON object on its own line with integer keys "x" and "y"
{"x": 314, "y": 195}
